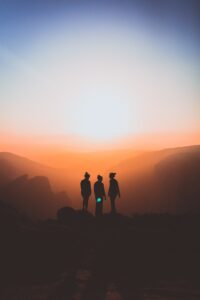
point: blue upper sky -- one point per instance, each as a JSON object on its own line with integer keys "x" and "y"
{"x": 19, "y": 19}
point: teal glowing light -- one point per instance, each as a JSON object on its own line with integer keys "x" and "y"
{"x": 98, "y": 200}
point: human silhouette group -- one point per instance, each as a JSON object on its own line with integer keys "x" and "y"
{"x": 99, "y": 192}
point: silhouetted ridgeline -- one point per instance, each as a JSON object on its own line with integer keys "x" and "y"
{"x": 151, "y": 182}
{"x": 161, "y": 181}
{"x": 33, "y": 196}
{"x": 178, "y": 177}
{"x": 13, "y": 166}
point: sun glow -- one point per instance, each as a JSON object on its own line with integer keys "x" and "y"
{"x": 100, "y": 80}
{"x": 100, "y": 117}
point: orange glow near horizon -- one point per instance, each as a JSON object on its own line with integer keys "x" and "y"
{"x": 41, "y": 147}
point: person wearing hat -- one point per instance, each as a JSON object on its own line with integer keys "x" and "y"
{"x": 86, "y": 190}
{"x": 100, "y": 195}
{"x": 113, "y": 191}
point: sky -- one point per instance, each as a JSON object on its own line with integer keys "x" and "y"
{"x": 99, "y": 71}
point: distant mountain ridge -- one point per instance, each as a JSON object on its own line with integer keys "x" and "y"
{"x": 162, "y": 181}
{"x": 33, "y": 196}
{"x": 12, "y": 166}
{"x": 167, "y": 180}
{"x": 179, "y": 177}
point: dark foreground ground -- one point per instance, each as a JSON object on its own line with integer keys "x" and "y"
{"x": 78, "y": 257}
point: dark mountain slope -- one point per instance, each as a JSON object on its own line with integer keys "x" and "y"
{"x": 33, "y": 196}
{"x": 161, "y": 181}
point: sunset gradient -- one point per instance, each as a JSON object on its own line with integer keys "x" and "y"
{"x": 98, "y": 75}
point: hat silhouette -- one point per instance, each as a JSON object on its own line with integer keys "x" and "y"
{"x": 87, "y": 174}
{"x": 112, "y": 174}
{"x": 99, "y": 177}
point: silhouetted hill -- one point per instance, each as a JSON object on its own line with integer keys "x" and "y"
{"x": 13, "y": 166}
{"x": 161, "y": 181}
{"x": 33, "y": 196}
{"x": 148, "y": 159}
{"x": 179, "y": 179}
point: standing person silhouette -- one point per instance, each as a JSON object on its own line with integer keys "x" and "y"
{"x": 113, "y": 191}
{"x": 86, "y": 190}
{"x": 100, "y": 195}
